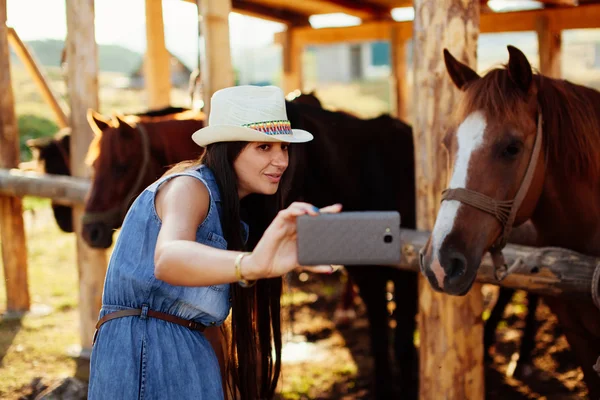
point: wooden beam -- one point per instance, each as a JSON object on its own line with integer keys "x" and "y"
{"x": 584, "y": 16}
{"x": 276, "y": 14}
{"x": 375, "y": 10}
{"x": 399, "y": 84}
{"x": 61, "y": 189}
{"x": 549, "y": 48}
{"x": 12, "y": 231}
{"x": 38, "y": 77}
{"x": 82, "y": 56}
{"x": 157, "y": 60}
{"x": 548, "y": 271}
{"x": 451, "y": 328}
{"x": 217, "y": 70}
{"x": 572, "y": 3}
{"x": 292, "y": 63}
{"x": 360, "y": 33}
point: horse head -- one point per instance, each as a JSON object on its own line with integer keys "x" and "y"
{"x": 494, "y": 142}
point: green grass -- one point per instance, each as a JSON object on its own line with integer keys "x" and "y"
{"x": 36, "y": 346}
{"x": 35, "y": 203}
{"x": 314, "y": 379}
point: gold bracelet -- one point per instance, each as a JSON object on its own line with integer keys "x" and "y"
{"x": 238, "y": 272}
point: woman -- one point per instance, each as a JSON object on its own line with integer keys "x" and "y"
{"x": 179, "y": 263}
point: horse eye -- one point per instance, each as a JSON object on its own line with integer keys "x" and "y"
{"x": 511, "y": 151}
{"x": 120, "y": 169}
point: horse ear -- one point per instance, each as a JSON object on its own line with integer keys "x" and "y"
{"x": 460, "y": 73}
{"x": 519, "y": 68}
{"x": 97, "y": 121}
{"x": 122, "y": 125}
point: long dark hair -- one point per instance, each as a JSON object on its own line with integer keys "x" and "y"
{"x": 256, "y": 311}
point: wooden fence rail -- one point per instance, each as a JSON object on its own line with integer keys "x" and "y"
{"x": 61, "y": 189}
{"x": 544, "y": 270}
{"x": 548, "y": 271}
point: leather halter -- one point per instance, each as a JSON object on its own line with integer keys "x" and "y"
{"x": 504, "y": 210}
{"x": 114, "y": 216}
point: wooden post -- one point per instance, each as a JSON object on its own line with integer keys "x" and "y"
{"x": 217, "y": 70}
{"x": 38, "y": 77}
{"x": 157, "y": 60}
{"x": 292, "y": 62}
{"x": 549, "y": 48}
{"x": 451, "y": 328}
{"x": 12, "y": 231}
{"x": 398, "y": 62}
{"x": 82, "y": 71}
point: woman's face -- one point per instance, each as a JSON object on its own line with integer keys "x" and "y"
{"x": 259, "y": 167}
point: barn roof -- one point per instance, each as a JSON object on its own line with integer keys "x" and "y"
{"x": 297, "y": 13}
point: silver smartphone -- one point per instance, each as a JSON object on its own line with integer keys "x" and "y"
{"x": 349, "y": 238}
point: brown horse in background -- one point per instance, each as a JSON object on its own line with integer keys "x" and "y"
{"x": 127, "y": 155}
{"x": 51, "y": 156}
{"x": 492, "y": 139}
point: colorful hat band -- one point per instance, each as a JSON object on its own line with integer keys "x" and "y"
{"x": 281, "y": 127}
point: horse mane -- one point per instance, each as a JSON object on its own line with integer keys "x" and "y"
{"x": 93, "y": 150}
{"x": 160, "y": 112}
{"x": 570, "y": 113}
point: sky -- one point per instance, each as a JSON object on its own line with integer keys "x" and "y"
{"x": 122, "y": 22}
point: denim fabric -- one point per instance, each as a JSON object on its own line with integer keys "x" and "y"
{"x": 146, "y": 358}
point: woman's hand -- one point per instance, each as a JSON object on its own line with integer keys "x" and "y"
{"x": 277, "y": 253}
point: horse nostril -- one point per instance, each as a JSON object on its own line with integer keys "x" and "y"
{"x": 421, "y": 258}
{"x": 457, "y": 266}
{"x": 95, "y": 233}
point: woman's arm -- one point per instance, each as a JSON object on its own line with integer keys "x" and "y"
{"x": 182, "y": 204}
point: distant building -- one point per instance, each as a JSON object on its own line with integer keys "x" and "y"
{"x": 180, "y": 75}
{"x": 350, "y": 62}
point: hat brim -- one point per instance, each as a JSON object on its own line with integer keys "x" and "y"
{"x": 234, "y": 133}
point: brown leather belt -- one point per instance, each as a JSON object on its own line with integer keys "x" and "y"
{"x": 192, "y": 325}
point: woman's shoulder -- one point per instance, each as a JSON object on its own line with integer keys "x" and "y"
{"x": 186, "y": 196}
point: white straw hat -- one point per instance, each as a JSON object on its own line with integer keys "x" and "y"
{"x": 250, "y": 114}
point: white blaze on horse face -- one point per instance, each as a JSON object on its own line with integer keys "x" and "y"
{"x": 470, "y": 138}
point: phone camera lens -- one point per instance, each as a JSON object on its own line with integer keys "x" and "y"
{"x": 387, "y": 238}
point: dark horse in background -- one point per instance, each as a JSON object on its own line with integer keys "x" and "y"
{"x": 366, "y": 164}
{"x": 499, "y": 118}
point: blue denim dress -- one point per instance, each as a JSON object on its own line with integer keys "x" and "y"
{"x": 146, "y": 358}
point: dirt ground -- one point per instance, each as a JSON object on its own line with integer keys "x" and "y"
{"x": 335, "y": 363}
{"x": 323, "y": 361}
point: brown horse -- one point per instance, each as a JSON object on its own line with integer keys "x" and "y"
{"x": 128, "y": 154}
{"x": 504, "y": 121}
{"x": 51, "y": 156}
